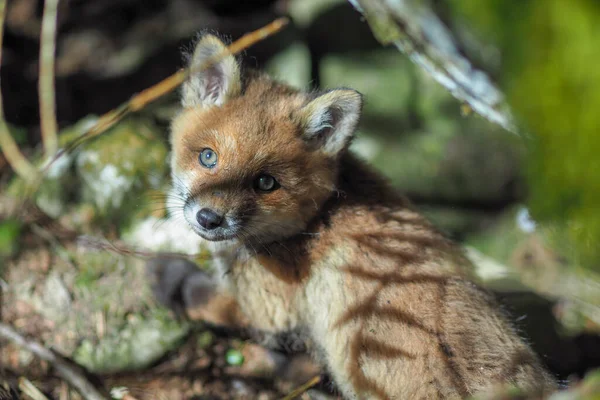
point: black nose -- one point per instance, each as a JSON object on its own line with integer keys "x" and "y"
{"x": 208, "y": 219}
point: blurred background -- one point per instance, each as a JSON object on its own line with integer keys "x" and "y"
{"x": 525, "y": 204}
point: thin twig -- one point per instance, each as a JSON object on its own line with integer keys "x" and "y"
{"x": 124, "y": 250}
{"x": 30, "y": 389}
{"x": 49, "y": 237}
{"x": 11, "y": 151}
{"x": 299, "y": 390}
{"x": 6, "y": 393}
{"x": 46, "y": 78}
{"x": 142, "y": 99}
{"x": 69, "y": 371}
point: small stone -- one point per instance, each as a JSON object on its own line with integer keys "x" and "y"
{"x": 56, "y": 298}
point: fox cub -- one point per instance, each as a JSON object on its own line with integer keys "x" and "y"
{"x": 307, "y": 239}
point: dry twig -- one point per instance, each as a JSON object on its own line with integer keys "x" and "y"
{"x": 141, "y": 100}
{"x": 299, "y": 390}
{"x": 124, "y": 250}
{"x": 28, "y": 388}
{"x": 46, "y": 78}
{"x": 9, "y": 147}
{"x": 69, "y": 371}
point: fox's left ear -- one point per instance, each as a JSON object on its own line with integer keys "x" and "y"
{"x": 329, "y": 120}
{"x": 216, "y": 84}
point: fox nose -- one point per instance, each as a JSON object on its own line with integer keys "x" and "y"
{"x": 208, "y": 219}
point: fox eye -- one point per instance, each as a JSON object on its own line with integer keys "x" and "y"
{"x": 266, "y": 183}
{"x": 208, "y": 158}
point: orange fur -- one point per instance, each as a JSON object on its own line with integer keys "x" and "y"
{"x": 385, "y": 300}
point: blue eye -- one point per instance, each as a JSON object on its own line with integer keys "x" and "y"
{"x": 208, "y": 158}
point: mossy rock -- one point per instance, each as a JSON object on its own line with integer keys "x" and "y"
{"x": 141, "y": 341}
{"x": 59, "y": 184}
{"x": 97, "y": 306}
{"x": 118, "y": 168}
{"x": 162, "y": 234}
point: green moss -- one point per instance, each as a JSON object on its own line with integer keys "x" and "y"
{"x": 93, "y": 268}
{"x": 18, "y": 134}
{"x": 291, "y": 66}
{"x": 553, "y": 85}
{"x": 500, "y": 240}
{"x": 382, "y": 76}
{"x": 205, "y": 339}
{"x": 142, "y": 341}
{"x": 448, "y": 165}
{"x": 384, "y": 27}
{"x": 59, "y": 185}
{"x": 10, "y": 231}
{"x": 120, "y": 168}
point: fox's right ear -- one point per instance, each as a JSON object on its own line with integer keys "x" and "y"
{"x": 329, "y": 120}
{"x": 214, "y": 85}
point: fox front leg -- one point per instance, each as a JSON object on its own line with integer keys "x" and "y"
{"x": 191, "y": 292}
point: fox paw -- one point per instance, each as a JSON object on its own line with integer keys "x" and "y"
{"x": 179, "y": 284}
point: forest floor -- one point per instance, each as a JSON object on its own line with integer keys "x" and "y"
{"x": 205, "y": 363}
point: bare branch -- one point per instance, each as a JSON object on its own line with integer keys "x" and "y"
{"x": 30, "y": 389}
{"x": 69, "y": 371}
{"x": 11, "y": 151}
{"x": 418, "y": 32}
{"x": 46, "y": 78}
{"x": 298, "y": 391}
{"x": 125, "y": 250}
{"x": 167, "y": 85}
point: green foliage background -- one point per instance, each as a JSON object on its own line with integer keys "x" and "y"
{"x": 549, "y": 71}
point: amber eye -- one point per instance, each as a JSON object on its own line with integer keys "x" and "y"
{"x": 208, "y": 158}
{"x": 266, "y": 183}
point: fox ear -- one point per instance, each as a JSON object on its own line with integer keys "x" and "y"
{"x": 329, "y": 121}
{"x": 216, "y": 84}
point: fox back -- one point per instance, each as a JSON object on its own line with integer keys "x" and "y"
{"x": 308, "y": 239}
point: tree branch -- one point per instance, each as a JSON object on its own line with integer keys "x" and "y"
{"x": 142, "y": 99}
{"x": 46, "y": 78}
{"x": 70, "y": 372}
{"x": 416, "y": 30}
{"x": 11, "y": 151}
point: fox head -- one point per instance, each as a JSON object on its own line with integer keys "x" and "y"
{"x": 253, "y": 159}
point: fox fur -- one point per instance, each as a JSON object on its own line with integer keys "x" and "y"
{"x": 384, "y": 301}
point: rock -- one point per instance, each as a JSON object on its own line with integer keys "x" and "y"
{"x": 55, "y": 302}
{"x": 97, "y": 309}
{"x": 59, "y": 185}
{"x": 119, "y": 167}
{"x": 161, "y": 234}
{"x": 141, "y": 342}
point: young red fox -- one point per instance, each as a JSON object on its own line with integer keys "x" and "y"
{"x": 307, "y": 239}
